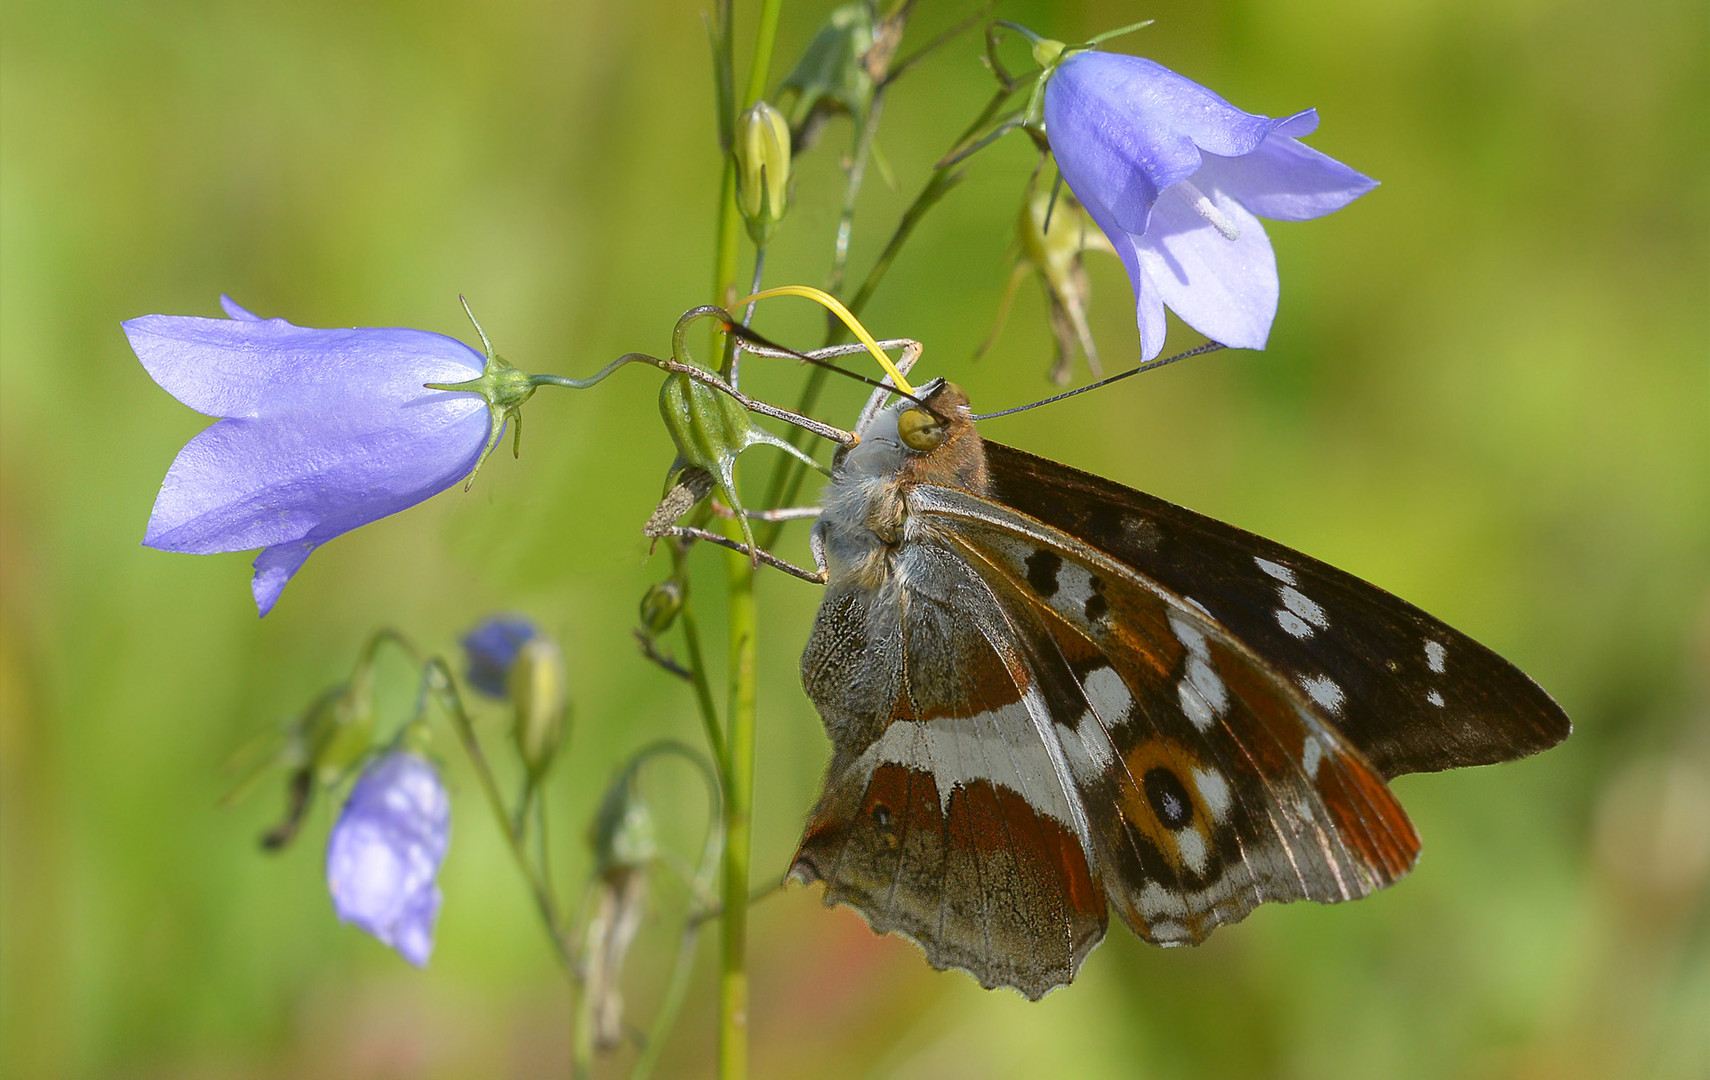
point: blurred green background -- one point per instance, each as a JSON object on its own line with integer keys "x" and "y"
{"x": 1486, "y": 390}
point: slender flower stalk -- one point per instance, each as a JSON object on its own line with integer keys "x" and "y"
{"x": 739, "y": 725}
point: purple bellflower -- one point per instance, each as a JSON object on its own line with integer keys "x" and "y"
{"x": 322, "y": 431}
{"x": 1178, "y": 178}
{"x": 492, "y": 649}
{"x": 384, "y": 853}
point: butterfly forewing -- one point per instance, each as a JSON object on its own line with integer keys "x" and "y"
{"x": 1412, "y": 693}
{"x": 1227, "y": 788}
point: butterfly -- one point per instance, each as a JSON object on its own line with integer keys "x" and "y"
{"x": 1050, "y": 696}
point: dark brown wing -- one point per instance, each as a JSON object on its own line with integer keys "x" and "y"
{"x": 1411, "y": 693}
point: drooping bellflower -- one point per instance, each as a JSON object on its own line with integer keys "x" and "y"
{"x": 1178, "y": 178}
{"x": 322, "y": 431}
{"x": 384, "y": 853}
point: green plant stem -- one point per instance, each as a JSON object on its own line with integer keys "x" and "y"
{"x": 739, "y": 799}
{"x": 703, "y": 690}
{"x": 739, "y": 722}
{"x": 443, "y": 690}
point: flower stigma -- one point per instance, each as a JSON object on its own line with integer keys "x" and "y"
{"x": 835, "y": 306}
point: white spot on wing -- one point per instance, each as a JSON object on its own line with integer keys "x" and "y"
{"x": 1087, "y": 748}
{"x": 1189, "y": 634}
{"x": 1293, "y": 623}
{"x": 1310, "y": 756}
{"x": 1202, "y": 694}
{"x": 1074, "y": 589}
{"x": 1157, "y": 902}
{"x": 1435, "y": 698}
{"x": 1210, "y": 687}
{"x": 1213, "y": 791}
{"x": 1192, "y": 846}
{"x": 1435, "y": 656}
{"x": 1276, "y": 570}
{"x": 1194, "y": 706}
{"x": 1108, "y": 695}
{"x": 1324, "y": 690}
{"x": 1297, "y": 602}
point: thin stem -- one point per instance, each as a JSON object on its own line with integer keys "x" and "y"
{"x": 733, "y": 354}
{"x": 698, "y": 667}
{"x": 439, "y": 682}
{"x": 739, "y": 799}
{"x": 599, "y": 376}
{"x": 857, "y": 174}
{"x": 739, "y": 743}
{"x": 671, "y": 1005}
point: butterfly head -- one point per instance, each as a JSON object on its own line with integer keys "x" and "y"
{"x": 927, "y": 439}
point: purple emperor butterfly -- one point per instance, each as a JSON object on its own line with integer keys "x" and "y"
{"x": 1049, "y": 695}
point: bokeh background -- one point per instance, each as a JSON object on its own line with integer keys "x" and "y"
{"x": 1488, "y": 389}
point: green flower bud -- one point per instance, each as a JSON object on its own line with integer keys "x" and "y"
{"x": 1046, "y": 52}
{"x": 762, "y": 169}
{"x": 540, "y": 695}
{"x": 659, "y": 607}
{"x": 711, "y": 430}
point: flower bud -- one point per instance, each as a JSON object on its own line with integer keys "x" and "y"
{"x": 659, "y": 607}
{"x": 540, "y": 695}
{"x": 1047, "y": 52}
{"x": 710, "y": 430}
{"x": 762, "y": 168}
{"x": 492, "y": 649}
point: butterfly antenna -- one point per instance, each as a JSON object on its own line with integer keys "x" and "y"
{"x": 1198, "y": 350}
{"x": 757, "y": 343}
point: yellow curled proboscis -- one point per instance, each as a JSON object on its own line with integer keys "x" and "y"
{"x": 835, "y": 306}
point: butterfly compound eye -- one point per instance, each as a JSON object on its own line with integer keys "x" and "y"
{"x": 920, "y": 430}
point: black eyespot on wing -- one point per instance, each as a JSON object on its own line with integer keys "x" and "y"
{"x": 1042, "y": 567}
{"x": 1169, "y": 799}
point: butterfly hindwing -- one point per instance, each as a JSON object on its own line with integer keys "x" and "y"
{"x": 946, "y": 818}
{"x": 1412, "y": 693}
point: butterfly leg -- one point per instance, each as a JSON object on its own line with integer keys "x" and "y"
{"x": 689, "y": 532}
{"x": 783, "y": 513}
